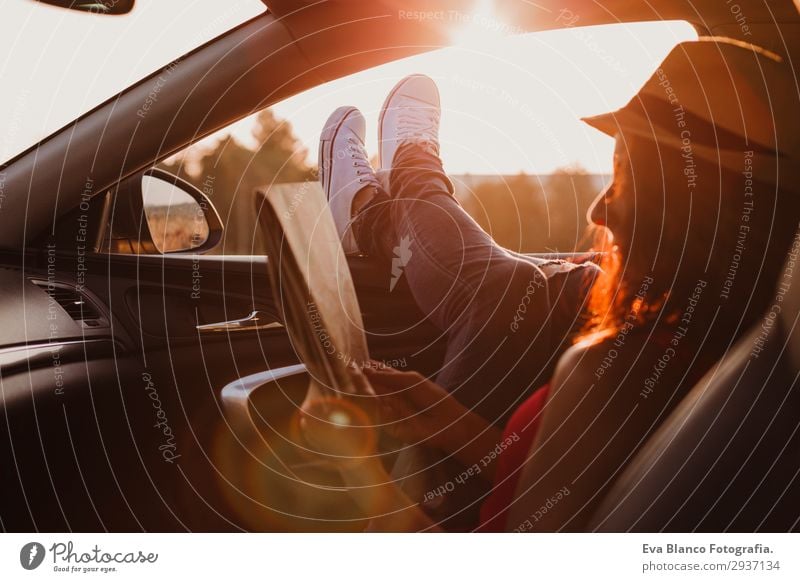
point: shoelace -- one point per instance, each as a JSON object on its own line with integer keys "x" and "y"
{"x": 365, "y": 173}
{"x": 419, "y": 125}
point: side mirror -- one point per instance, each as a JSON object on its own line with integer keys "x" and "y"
{"x": 177, "y": 213}
{"x": 94, "y": 6}
{"x": 155, "y": 212}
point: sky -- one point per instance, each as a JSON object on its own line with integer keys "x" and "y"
{"x": 510, "y": 103}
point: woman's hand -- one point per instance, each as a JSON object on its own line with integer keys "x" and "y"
{"x": 418, "y": 411}
{"x": 344, "y": 432}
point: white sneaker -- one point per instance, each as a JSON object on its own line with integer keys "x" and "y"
{"x": 410, "y": 115}
{"x": 344, "y": 168}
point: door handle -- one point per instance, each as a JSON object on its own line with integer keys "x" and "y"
{"x": 256, "y": 321}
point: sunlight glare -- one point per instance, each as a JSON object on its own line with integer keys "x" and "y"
{"x": 480, "y": 28}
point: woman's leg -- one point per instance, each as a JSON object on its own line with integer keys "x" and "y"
{"x": 494, "y": 306}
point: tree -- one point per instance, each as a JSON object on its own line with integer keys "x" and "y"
{"x": 510, "y": 209}
{"x": 570, "y": 192}
{"x": 535, "y": 213}
{"x": 230, "y": 172}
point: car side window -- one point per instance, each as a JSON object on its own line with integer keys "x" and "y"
{"x": 523, "y": 164}
{"x": 228, "y": 169}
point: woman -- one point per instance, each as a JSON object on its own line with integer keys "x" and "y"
{"x": 694, "y": 225}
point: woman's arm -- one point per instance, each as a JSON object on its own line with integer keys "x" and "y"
{"x": 418, "y": 411}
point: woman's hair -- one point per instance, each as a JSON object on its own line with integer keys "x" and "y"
{"x": 697, "y": 237}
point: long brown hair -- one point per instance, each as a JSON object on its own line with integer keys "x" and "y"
{"x": 691, "y": 225}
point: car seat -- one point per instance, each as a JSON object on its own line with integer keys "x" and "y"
{"x": 728, "y": 457}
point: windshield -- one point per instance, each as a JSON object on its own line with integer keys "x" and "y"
{"x": 58, "y": 64}
{"x": 512, "y": 138}
{"x": 521, "y": 97}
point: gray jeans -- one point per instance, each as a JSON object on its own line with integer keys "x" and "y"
{"x": 507, "y": 317}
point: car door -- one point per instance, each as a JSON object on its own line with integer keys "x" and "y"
{"x": 143, "y": 436}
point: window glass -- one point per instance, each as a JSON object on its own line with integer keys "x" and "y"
{"x": 511, "y": 134}
{"x": 58, "y": 64}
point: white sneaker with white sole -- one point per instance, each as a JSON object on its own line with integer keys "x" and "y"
{"x": 344, "y": 169}
{"x": 410, "y": 115}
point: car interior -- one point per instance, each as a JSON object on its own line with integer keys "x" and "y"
{"x": 153, "y": 387}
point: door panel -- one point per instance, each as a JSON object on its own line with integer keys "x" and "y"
{"x": 138, "y": 438}
{"x": 152, "y": 431}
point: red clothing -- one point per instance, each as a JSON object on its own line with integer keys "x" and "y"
{"x": 524, "y": 423}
